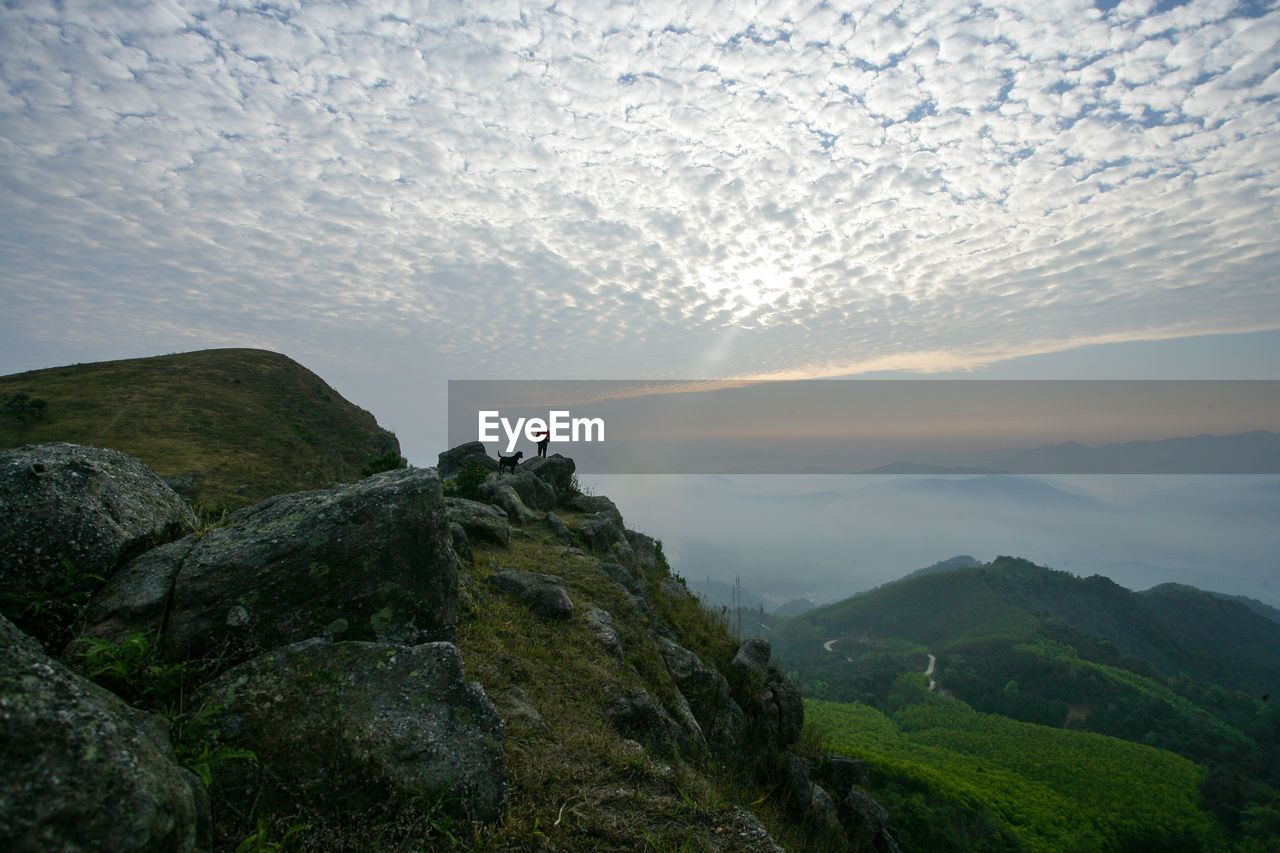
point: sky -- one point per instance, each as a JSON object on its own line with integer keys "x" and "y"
{"x": 400, "y": 193}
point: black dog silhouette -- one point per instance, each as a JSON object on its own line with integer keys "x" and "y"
{"x": 509, "y": 461}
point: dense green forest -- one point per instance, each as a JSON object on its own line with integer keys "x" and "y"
{"x": 1026, "y": 659}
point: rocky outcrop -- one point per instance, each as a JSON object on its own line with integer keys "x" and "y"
{"x": 456, "y": 459}
{"x": 502, "y": 495}
{"x": 591, "y": 504}
{"x": 644, "y": 552}
{"x": 541, "y": 593}
{"x": 481, "y": 522}
{"x": 707, "y": 691}
{"x": 866, "y": 820}
{"x": 534, "y": 492}
{"x": 772, "y": 703}
{"x": 81, "y": 770}
{"x": 347, "y": 729}
{"x": 636, "y": 715}
{"x": 601, "y": 623}
{"x": 556, "y": 471}
{"x": 599, "y": 531}
{"x": 69, "y": 512}
{"x": 368, "y": 561}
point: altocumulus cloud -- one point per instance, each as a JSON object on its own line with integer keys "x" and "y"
{"x": 643, "y": 189}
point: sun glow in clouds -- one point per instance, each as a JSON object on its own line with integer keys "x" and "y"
{"x": 853, "y": 185}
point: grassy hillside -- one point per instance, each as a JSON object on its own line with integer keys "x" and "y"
{"x": 1175, "y": 668}
{"x": 577, "y": 784}
{"x": 1030, "y": 787}
{"x": 237, "y": 425}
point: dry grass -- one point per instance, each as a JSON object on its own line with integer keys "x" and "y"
{"x": 577, "y": 784}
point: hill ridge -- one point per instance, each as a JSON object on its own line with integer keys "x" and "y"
{"x": 226, "y": 426}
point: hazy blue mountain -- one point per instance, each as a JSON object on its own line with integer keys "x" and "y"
{"x": 1027, "y": 491}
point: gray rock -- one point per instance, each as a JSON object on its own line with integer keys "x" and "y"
{"x": 840, "y": 774}
{"x": 456, "y": 459}
{"x": 786, "y": 697}
{"x": 866, "y": 822}
{"x": 504, "y": 496}
{"x": 482, "y": 522}
{"x": 707, "y": 692}
{"x": 84, "y": 507}
{"x": 747, "y": 834}
{"x": 342, "y": 729}
{"x": 623, "y": 576}
{"x": 559, "y": 529}
{"x": 461, "y": 544}
{"x": 674, "y": 590}
{"x": 635, "y": 714}
{"x": 771, "y": 702}
{"x": 185, "y": 485}
{"x": 82, "y": 771}
{"x": 375, "y": 554}
{"x": 644, "y": 550}
{"x": 534, "y": 492}
{"x": 797, "y": 788}
{"x": 824, "y": 816}
{"x": 544, "y": 594}
{"x": 600, "y": 531}
{"x": 517, "y": 710}
{"x": 752, "y": 659}
{"x": 556, "y": 471}
{"x": 601, "y": 624}
{"x": 592, "y": 504}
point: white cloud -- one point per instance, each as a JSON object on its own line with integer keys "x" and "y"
{"x": 845, "y": 185}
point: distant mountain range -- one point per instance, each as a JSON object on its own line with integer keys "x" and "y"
{"x": 1256, "y": 452}
{"x": 1176, "y": 629}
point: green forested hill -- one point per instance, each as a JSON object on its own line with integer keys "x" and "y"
{"x": 1174, "y": 668}
{"x": 1175, "y": 630}
{"x": 235, "y": 425}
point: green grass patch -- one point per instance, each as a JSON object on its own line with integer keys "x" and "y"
{"x": 1048, "y": 789}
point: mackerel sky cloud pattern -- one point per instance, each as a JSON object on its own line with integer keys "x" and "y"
{"x": 651, "y": 189}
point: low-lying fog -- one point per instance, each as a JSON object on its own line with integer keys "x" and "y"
{"x": 828, "y": 537}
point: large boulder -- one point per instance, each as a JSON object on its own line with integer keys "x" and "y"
{"x": 352, "y": 731}
{"x": 82, "y": 771}
{"x": 503, "y": 495}
{"x": 636, "y": 715}
{"x": 771, "y": 702}
{"x": 366, "y": 561}
{"x": 596, "y": 503}
{"x": 480, "y": 521}
{"x": 644, "y": 551}
{"x": 533, "y": 491}
{"x": 456, "y": 459}
{"x": 554, "y": 470}
{"x": 541, "y": 593}
{"x": 600, "y": 531}
{"x": 866, "y": 822}
{"x": 69, "y": 512}
{"x": 707, "y": 692}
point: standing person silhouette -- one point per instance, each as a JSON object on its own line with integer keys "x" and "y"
{"x": 543, "y": 441}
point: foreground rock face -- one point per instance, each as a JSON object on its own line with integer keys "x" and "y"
{"x": 81, "y": 770}
{"x": 368, "y": 561}
{"x": 350, "y": 728}
{"x": 89, "y": 507}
